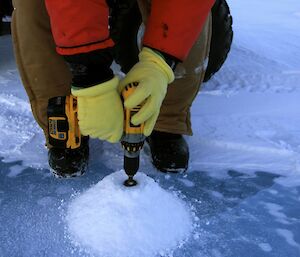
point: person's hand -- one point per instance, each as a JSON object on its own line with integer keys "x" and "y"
{"x": 100, "y": 111}
{"x": 153, "y": 75}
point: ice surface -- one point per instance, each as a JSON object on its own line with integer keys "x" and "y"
{"x": 113, "y": 220}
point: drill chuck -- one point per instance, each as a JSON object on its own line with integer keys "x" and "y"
{"x": 132, "y": 144}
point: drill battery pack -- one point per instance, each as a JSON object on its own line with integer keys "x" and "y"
{"x": 63, "y": 129}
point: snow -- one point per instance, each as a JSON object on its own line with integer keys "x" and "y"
{"x": 289, "y": 237}
{"x": 242, "y": 189}
{"x": 113, "y": 220}
{"x": 276, "y": 211}
{"x": 15, "y": 170}
{"x": 265, "y": 247}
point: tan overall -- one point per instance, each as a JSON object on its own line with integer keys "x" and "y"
{"x": 44, "y": 73}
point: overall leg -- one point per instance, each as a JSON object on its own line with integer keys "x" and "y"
{"x": 169, "y": 149}
{"x": 175, "y": 111}
{"x": 175, "y": 114}
{"x": 43, "y": 72}
{"x": 81, "y": 35}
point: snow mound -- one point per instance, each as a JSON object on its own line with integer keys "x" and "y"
{"x": 112, "y": 220}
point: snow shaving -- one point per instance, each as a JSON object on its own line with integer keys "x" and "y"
{"x": 110, "y": 219}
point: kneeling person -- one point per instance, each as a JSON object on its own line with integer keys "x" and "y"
{"x": 73, "y": 52}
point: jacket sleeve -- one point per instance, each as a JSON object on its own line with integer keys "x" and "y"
{"x": 174, "y": 25}
{"x": 79, "y": 26}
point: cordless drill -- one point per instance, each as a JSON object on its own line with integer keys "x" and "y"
{"x": 132, "y": 140}
{"x": 63, "y": 130}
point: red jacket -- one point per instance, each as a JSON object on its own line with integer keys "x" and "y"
{"x": 173, "y": 26}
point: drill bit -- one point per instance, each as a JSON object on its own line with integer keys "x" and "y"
{"x": 131, "y": 166}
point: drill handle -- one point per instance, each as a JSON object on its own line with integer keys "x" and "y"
{"x": 129, "y": 128}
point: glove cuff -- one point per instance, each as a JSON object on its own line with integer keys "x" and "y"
{"x": 99, "y": 89}
{"x": 149, "y": 55}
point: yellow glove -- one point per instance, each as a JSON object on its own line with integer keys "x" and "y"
{"x": 153, "y": 75}
{"x": 100, "y": 111}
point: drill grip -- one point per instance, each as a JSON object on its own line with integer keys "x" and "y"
{"x": 129, "y": 128}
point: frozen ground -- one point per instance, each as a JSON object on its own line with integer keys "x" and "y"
{"x": 244, "y": 179}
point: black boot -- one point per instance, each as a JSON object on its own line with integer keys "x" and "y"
{"x": 170, "y": 152}
{"x": 67, "y": 163}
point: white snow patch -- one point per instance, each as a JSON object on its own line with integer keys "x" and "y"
{"x": 276, "y": 211}
{"x": 217, "y": 194}
{"x": 167, "y": 176}
{"x": 247, "y": 137}
{"x": 6, "y": 19}
{"x": 288, "y": 236}
{"x": 272, "y": 191}
{"x": 15, "y": 170}
{"x": 112, "y": 220}
{"x": 186, "y": 182}
{"x": 291, "y": 180}
{"x": 265, "y": 247}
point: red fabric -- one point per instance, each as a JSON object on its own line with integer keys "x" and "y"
{"x": 85, "y": 48}
{"x": 174, "y": 26}
{"x": 79, "y": 26}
